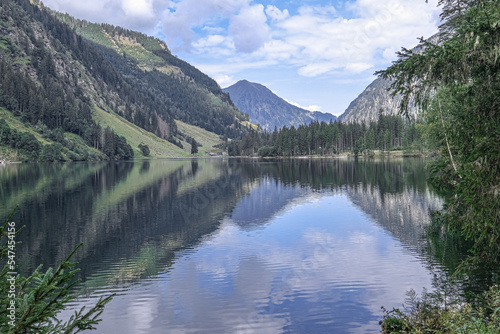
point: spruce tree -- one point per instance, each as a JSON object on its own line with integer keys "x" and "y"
{"x": 31, "y": 304}
{"x": 194, "y": 146}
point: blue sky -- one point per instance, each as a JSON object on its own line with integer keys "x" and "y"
{"x": 319, "y": 54}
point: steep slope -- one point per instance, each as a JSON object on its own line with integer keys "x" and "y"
{"x": 52, "y": 80}
{"x": 187, "y": 94}
{"x": 376, "y": 98}
{"x": 370, "y": 102}
{"x": 269, "y": 110}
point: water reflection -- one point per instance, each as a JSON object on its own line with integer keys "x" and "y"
{"x": 231, "y": 245}
{"x": 130, "y": 216}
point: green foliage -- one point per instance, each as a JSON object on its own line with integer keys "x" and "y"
{"x": 457, "y": 83}
{"x": 37, "y": 299}
{"x": 116, "y": 147}
{"x": 169, "y": 87}
{"x": 24, "y": 142}
{"x": 51, "y": 153}
{"x": 194, "y": 146}
{"x": 387, "y": 133}
{"x": 267, "y": 151}
{"x": 144, "y": 149}
{"x": 429, "y": 314}
{"x": 54, "y": 78}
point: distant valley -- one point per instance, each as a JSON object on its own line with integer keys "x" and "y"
{"x": 87, "y": 91}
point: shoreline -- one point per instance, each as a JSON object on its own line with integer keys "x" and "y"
{"x": 346, "y": 155}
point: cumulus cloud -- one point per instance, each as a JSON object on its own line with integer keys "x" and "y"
{"x": 276, "y": 14}
{"x": 249, "y": 29}
{"x": 182, "y": 18}
{"x": 356, "y": 37}
{"x": 133, "y": 14}
{"x": 138, "y": 8}
{"x": 326, "y": 40}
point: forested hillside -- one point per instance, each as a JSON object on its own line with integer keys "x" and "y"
{"x": 53, "y": 78}
{"x": 179, "y": 89}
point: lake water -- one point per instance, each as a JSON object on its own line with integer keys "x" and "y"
{"x": 230, "y": 245}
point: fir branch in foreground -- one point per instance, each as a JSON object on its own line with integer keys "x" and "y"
{"x": 35, "y": 301}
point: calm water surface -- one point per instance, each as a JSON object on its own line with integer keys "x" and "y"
{"x": 230, "y": 246}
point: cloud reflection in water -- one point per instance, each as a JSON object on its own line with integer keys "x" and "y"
{"x": 318, "y": 264}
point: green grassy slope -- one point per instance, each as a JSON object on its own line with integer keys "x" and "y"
{"x": 206, "y": 138}
{"x": 159, "y": 148}
{"x": 11, "y": 154}
{"x": 135, "y": 135}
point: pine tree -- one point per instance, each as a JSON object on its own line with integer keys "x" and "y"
{"x": 30, "y": 304}
{"x": 194, "y": 146}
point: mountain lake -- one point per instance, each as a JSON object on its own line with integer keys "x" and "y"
{"x": 231, "y": 245}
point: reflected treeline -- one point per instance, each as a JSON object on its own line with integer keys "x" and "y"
{"x": 131, "y": 216}
{"x": 134, "y": 216}
{"x": 389, "y": 175}
{"x": 469, "y": 271}
{"x": 25, "y": 183}
{"x": 394, "y": 192}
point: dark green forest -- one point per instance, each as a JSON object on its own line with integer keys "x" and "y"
{"x": 32, "y": 89}
{"x": 52, "y": 78}
{"x": 386, "y": 133}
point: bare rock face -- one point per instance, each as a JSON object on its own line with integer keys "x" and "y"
{"x": 367, "y": 105}
{"x": 377, "y": 97}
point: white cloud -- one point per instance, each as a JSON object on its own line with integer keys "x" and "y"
{"x": 317, "y": 68}
{"x": 140, "y": 15}
{"x": 182, "y": 17}
{"x": 312, "y": 107}
{"x": 224, "y": 80}
{"x": 324, "y": 41}
{"x": 278, "y": 50}
{"x": 249, "y": 28}
{"x": 275, "y": 14}
{"x": 139, "y": 10}
{"x": 358, "y": 67}
{"x": 210, "y": 41}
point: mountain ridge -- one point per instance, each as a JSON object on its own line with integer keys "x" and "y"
{"x": 268, "y": 109}
{"x": 376, "y": 98}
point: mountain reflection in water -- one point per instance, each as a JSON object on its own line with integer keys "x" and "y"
{"x": 231, "y": 245}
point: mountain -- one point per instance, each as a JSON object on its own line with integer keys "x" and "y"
{"x": 367, "y": 105}
{"x": 61, "y": 78}
{"x": 269, "y": 110}
{"x": 376, "y": 98}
